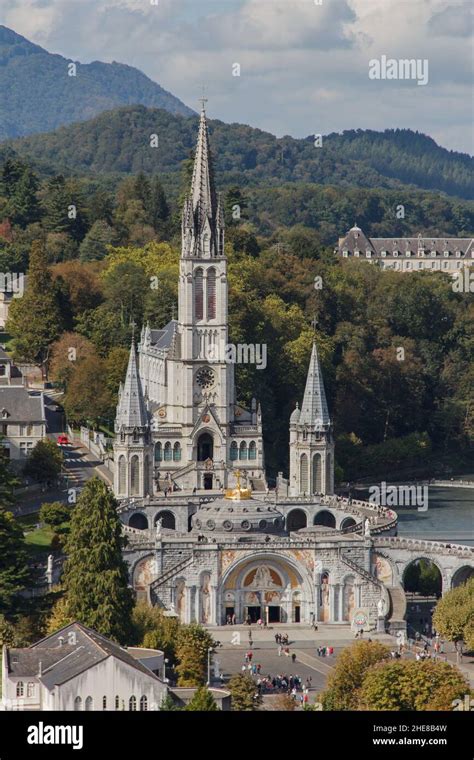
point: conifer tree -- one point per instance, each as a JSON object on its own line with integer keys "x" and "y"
{"x": 95, "y": 576}
{"x": 202, "y": 701}
{"x": 34, "y": 321}
{"x": 14, "y": 572}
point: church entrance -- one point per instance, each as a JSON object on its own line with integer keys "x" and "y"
{"x": 205, "y": 447}
{"x": 273, "y": 613}
{"x": 253, "y": 613}
{"x": 208, "y": 482}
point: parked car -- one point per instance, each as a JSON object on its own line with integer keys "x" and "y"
{"x": 63, "y": 440}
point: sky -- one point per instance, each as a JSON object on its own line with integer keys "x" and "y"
{"x": 304, "y": 64}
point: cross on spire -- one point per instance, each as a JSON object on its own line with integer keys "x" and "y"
{"x": 203, "y": 100}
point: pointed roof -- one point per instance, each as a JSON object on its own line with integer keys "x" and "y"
{"x": 203, "y": 194}
{"x": 314, "y": 410}
{"x": 132, "y": 410}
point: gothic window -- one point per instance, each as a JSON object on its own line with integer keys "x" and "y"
{"x": 168, "y": 452}
{"x": 134, "y": 476}
{"x": 20, "y": 689}
{"x": 252, "y": 450}
{"x": 304, "y": 474}
{"x": 211, "y": 294}
{"x": 30, "y": 689}
{"x": 243, "y": 450}
{"x": 89, "y": 704}
{"x": 234, "y": 451}
{"x": 143, "y": 704}
{"x": 177, "y": 452}
{"x": 317, "y": 483}
{"x": 78, "y": 704}
{"x": 158, "y": 452}
{"x": 198, "y": 295}
{"x": 132, "y": 703}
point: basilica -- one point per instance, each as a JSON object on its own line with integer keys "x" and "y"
{"x": 206, "y": 538}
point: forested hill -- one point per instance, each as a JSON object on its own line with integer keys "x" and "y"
{"x": 39, "y": 95}
{"x": 119, "y": 142}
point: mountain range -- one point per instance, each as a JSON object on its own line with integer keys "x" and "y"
{"x": 39, "y": 94}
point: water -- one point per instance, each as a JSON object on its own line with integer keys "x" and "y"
{"x": 450, "y": 517}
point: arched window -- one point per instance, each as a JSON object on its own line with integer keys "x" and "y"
{"x": 168, "y": 452}
{"x": 143, "y": 704}
{"x": 30, "y": 689}
{"x": 122, "y": 469}
{"x": 158, "y": 452}
{"x": 243, "y": 450}
{"x": 20, "y": 689}
{"x": 234, "y": 451}
{"x": 89, "y": 704}
{"x": 304, "y": 474}
{"x": 211, "y": 294}
{"x": 132, "y": 704}
{"x": 317, "y": 481}
{"x": 177, "y": 452}
{"x": 146, "y": 475}
{"x": 117, "y": 702}
{"x": 104, "y": 703}
{"x": 77, "y": 704}
{"x": 134, "y": 476}
{"x": 328, "y": 473}
{"x": 252, "y": 450}
{"x": 198, "y": 295}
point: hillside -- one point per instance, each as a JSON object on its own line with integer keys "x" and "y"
{"x": 118, "y": 142}
{"x": 38, "y": 95}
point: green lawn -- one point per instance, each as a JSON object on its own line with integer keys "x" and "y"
{"x": 39, "y": 541}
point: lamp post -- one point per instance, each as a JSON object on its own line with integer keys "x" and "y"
{"x": 209, "y": 655}
{"x": 165, "y": 663}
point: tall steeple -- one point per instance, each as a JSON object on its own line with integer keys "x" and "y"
{"x": 202, "y": 219}
{"x": 131, "y": 408}
{"x": 314, "y": 410}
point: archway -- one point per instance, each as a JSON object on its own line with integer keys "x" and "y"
{"x": 325, "y": 518}
{"x": 348, "y": 522}
{"x": 422, "y": 576}
{"x": 138, "y": 520}
{"x": 462, "y": 575}
{"x": 205, "y": 447}
{"x": 296, "y": 519}
{"x": 168, "y": 519}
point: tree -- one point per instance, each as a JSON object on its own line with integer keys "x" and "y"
{"x": 152, "y": 629}
{"x": 8, "y": 481}
{"x": 352, "y": 664}
{"x": 156, "y": 206}
{"x": 192, "y": 645}
{"x": 94, "y": 245}
{"x": 95, "y": 574}
{"x": 453, "y": 617}
{"x": 34, "y": 321}
{"x": 169, "y": 705}
{"x": 87, "y": 396}
{"x": 59, "y": 616}
{"x": 202, "y": 701}
{"x": 411, "y": 685}
{"x": 14, "y": 572}
{"x": 245, "y": 697}
{"x": 45, "y": 461}
{"x": 66, "y": 353}
{"x": 285, "y": 703}
{"x": 54, "y": 513}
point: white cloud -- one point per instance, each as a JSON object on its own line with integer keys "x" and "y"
{"x": 304, "y": 67}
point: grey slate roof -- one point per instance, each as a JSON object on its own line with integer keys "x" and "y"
{"x": 131, "y": 409}
{"x": 162, "y": 338}
{"x": 314, "y": 409}
{"x": 357, "y": 240}
{"x": 22, "y": 404}
{"x": 60, "y": 663}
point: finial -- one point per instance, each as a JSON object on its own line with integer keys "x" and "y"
{"x": 314, "y": 325}
{"x": 203, "y": 100}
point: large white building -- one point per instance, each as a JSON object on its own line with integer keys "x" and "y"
{"x": 178, "y": 413}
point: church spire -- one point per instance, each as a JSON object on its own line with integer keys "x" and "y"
{"x": 314, "y": 410}
{"x": 131, "y": 409}
{"x": 202, "y": 219}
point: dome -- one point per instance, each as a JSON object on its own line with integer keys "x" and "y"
{"x": 295, "y": 416}
{"x": 226, "y": 516}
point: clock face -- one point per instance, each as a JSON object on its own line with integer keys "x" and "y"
{"x": 205, "y": 378}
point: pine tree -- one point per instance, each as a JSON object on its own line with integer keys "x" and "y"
{"x": 8, "y": 481}
{"x": 95, "y": 576}
{"x": 157, "y": 206}
{"x": 14, "y": 572}
{"x": 202, "y": 701}
{"x": 34, "y": 321}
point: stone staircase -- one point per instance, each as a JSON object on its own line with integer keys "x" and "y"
{"x": 360, "y": 570}
{"x": 167, "y": 575}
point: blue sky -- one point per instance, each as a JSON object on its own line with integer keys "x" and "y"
{"x": 303, "y": 66}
